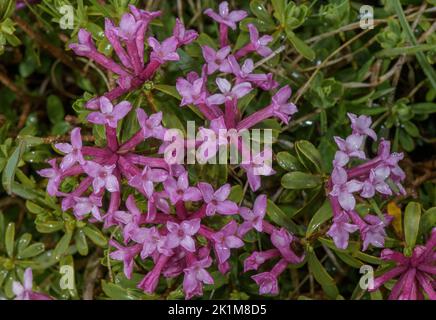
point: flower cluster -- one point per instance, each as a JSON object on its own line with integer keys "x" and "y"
{"x": 281, "y": 240}
{"x": 416, "y": 273}
{"x": 380, "y": 175}
{"x": 235, "y": 79}
{"x": 127, "y": 41}
{"x": 171, "y": 226}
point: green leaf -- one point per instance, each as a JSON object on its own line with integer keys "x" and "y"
{"x": 348, "y": 259}
{"x": 300, "y": 180}
{"x": 288, "y": 161}
{"x": 411, "y": 129}
{"x": 423, "y": 108}
{"x": 81, "y": 243}
{"x": 322, "y": 215}
{"x": 10, "y": 239}
{"x": 301, "y": 46}
{"x": 406, "y": 141}
{"x": 321, "y": 276}
{"x": 95, "y": 236}
{"x": 23, "y": 242}
{"x": 31, "y": 251}
{"x": 412, "y": 216}
{"x": 62, "y": 246}
{"x": 260, "y": 11}
{"x": 11, "y": 166}
{"x": 115, "y": 291}
{"x": 236, "y": 194}
{"x": 279, "y": 217}
{"x": 55, "y": 109}
{"x": 308, "y": 155}
{"x": 428, "y": 220}
{"x": 280, "y": 10}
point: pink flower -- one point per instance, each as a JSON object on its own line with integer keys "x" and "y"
{"x": 152, "y": 241}
{"x": 85, "y": 45}
{"x": 192, "y": 89}
{"x": 103, "y": 176}
{"x": 267, "y": 283}
{"x": 376, "y": 181}
{"x": 228, "y": 93}
{"x": 73, "y": 151}
{"x": 351, "y": 146}
{"x": 282, "y": 108}
{"x": 260, "y": 165}
{"x": 151, "y": 126}
{"x": 146, "y": 180}
{"x": 216, "y": 200}
{"x": 216, "y": 60}
{"x": 362, "y": 125}
{"x": 244, "y": 73}
{"x": 253, "y": 218}
{"x": 341, "y": 229}
{"x": 54, "y": 176}
{"x": 181, "y": 234}
{"x": 282, "y": 240}
{"x": 344, "y": 189}
{"x": 130, "y": 219}
{"x": 374, "y": 232}
{"x": 180, "y": 190}
{"x": 109, "y": 114}
{"x": 259, "y": 44}
{"x": 415, "y": 273}
{"x": 225, "y": 17}
{"x": 126, "y": 255}
{"x": 24, "y": 291}
{"x": 225, "y": 240}
{"x": 86, "y": 205}
{"x": 195, "y": 275}
{"x": 182, "y": 35}
{"x": 165, "y": 51}
{"x": 256, "y": 259}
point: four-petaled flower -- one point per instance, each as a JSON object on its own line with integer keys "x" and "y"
{"x": 253, "y": 218}
{"x": 195, "y": 276}
{"x": 73, "y": 151}
{"x": 217, "y": 200}
{"x": 181, "y": 234}
{"x": 224, "y": 16}
{"x": 225, "y": 239}
{"x": 228, "y": 93}
{"x": 180, "y": 190}
{"x": 109, "y": 114}
{"x": 281, "y": 106}
{"x": 216, "y": 60}
{"x": 103, "y": 176}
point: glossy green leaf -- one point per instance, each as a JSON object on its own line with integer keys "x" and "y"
{"x": 81, "y": 243}
{"x": 10, "y": 239}
{"x": 321, "y": 276}
{"x": 31, "y": 251}
{"x": 321, "y": 216}
{"x": 412, "y": 217}
{"x": 62, "y": 246}
{"x": 95, "y": 236}
{"x": 301, "y": 46}
{"x": 300, "y": 180}
{"x": 11, "y": 166}
{"x": 308, "y": 155}
{"x": 288, "y": 161}
{"x": 259, "y": 10}
{"x": 278, "y": 216}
